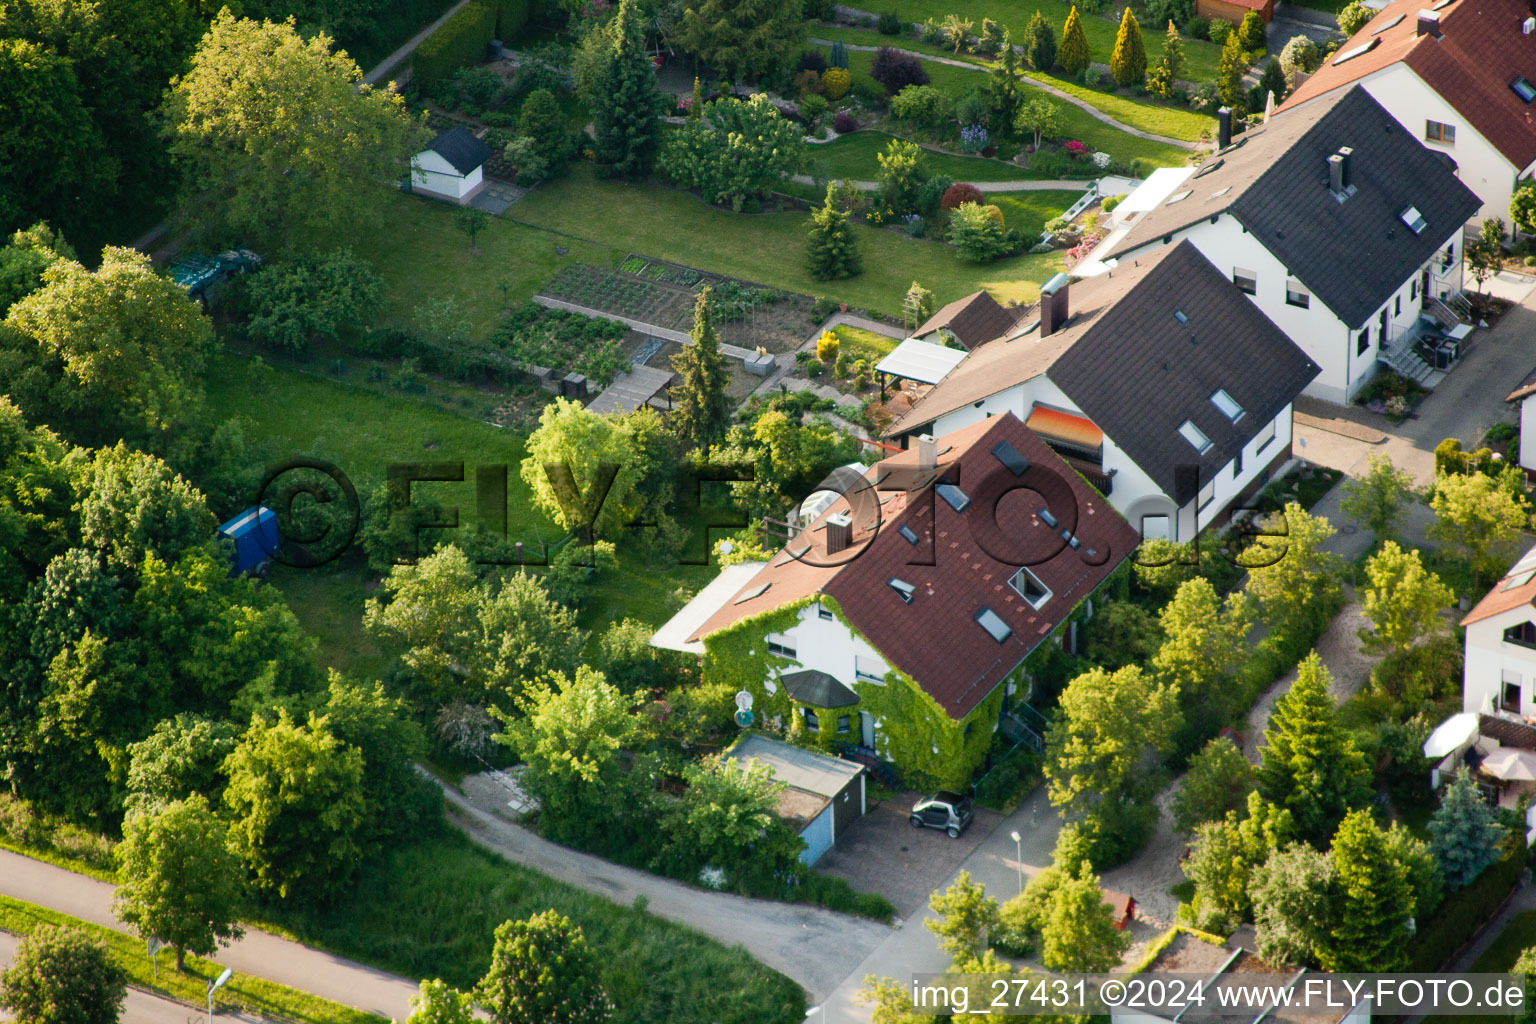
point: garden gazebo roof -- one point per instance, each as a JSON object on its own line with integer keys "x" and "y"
{"x": 818, "y": 689}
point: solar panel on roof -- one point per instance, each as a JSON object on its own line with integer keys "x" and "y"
{"x": 1009, "y": 456}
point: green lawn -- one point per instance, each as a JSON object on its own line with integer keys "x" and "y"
{"x": 853, "y": 156}
{"x": 1076, "y": 122}
{"x": 1028, "y": 211}
{"x": 1014, "y": 15}
{"x": 857, "y": 343}
{"x": 1144, "y": 112}
{"x": 429, "y": 910}
{"x": 766, "y": 248}
{"x": 1517, "y": 936}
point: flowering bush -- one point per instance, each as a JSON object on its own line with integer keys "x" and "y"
{"x": 1076, "y": 150}
{"x": 684, "y": 104}
{"x": 1101, "y": 160}
{"x": 1084, "y": 246}
{"x": 974, "y": 138}
{"x": 711, "y": 877}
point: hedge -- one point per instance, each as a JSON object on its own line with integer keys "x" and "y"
{"x": 511, "y": 16}
{"x": 460, "y": 43}
{"x": 1465, "y": 911}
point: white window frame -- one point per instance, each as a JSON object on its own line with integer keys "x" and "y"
{"x": 1296, "y": 294}
{"x": 1013, "y": 582}
{"x": 1195, "y": 436}
{"x": 1228, "y": 405}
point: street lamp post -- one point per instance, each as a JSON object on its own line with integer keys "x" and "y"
{"x": 214, "y": 986}
{"x": 1018, "y": 848}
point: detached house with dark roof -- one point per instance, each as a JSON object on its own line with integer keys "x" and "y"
{"x": 1158, "y": 382}
{"x": 900, "y": 620}
{"x": 1338, "y": 224}
{"x": 1459, "y": 75}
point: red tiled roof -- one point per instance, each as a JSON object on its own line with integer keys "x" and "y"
{"x": 1518, "y": 587}
{"x": 973, "y": 554}
{"x": 1481, "y": 51}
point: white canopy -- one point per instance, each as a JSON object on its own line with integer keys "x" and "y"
{"x": 1451, "y": 735}
{"x": 921, "y": 361}
{"x": 1511, "y": 764}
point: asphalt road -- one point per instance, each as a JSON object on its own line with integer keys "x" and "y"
{"x": 259, "y": 954}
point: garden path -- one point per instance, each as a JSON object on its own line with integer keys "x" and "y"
{"x": 389, "y": 63}
{"x": 1061, "y": 94}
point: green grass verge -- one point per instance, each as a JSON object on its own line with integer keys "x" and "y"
{"x": 1076, "y": 123}
{"x": 767, "y": 248}
{"x": 861, "y": 344}
{"x": 1014, "y": 15}
{"x": 853, "y": 156}
{"x": 1029, "y": 211}
{"x": 429, "y": 910}
{"x": 53, "y": 840}
{"x": 254, "y": 995}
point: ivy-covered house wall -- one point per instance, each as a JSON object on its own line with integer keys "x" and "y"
{"x": 927, "y": 746}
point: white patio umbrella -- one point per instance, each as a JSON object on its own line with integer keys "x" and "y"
{"x": 1511, "y": 764}
{"x": 1451, "y": 735}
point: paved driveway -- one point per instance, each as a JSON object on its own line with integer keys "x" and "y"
{"x": 882, "y": 852}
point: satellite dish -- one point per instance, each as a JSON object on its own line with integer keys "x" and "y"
{"x": 744, "y": 701}
{"x": 744, "y": 718}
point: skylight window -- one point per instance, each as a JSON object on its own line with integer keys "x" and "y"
{"x": 1524, "y": 89}
{"x": 1208, "y": 168}
{"x": 954, "y": 497}
{"x": 1227, "y": 404}
{"x": 1518, "y": 580}
{"x": 996, "y": 628}
{"x": 1009, "y": 456}
{"x": 1047, "y": 518}
{"x": 907, "y": 534}
{"x": 1357, "y": 51}
{"x": 1221, "y": 192}
{"x": 1392, "y": 22}
{"x": 756, "y": 591}
{"x": 1195, "y": 436}
{"x": 1414, "y": 219}
{"x": 1178, "y": 197}
{"x": 903, "y": 589}
{"x": 1178, "y": 315}
{"x": 1029, "y": 587}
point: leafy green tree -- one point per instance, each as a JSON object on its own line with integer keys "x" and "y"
{"x": 1402, "y": 599}
{"x": 296, "y": 806}
{"x": 903, "y": 170}
{"x": 957, "y": 30}
{"x": 966, "y": 917}
{"x": 52, "y": 155}
{"x": 310, "y": 298}
{"x": 570, "y": 735}
{"x": 542, "y": 972}
{"x": 1226, "y": 852}
{"x": 1479, "y": 516}
{"x": 180, "y": 759}
{"x": 1005, "y": 90}
{"x": 1464, "y": 832}
{"x": 1040, "y": 43}
{"x": 701, "y": 409}
{"x": 1039, "y": 117}
{"x": 1522, "y": 207}
{"x": 135, "y": 505}
{"x": 1205, "y": 641}
{"x": 1218, "y": 781}
{"x": 1271, "y": 81}
{"x": 180, "y": 881}
{"x": 976, "y": 234}
{"x": 1294, "y": 579}
{"x": 1300, "y": 54}
{"x": 543, "y": 121}
{"x": 22, "y": 262}
{"x": 122, "y": 346}
{"x": 788, "y": 460}
{"x": 1354, "y": 17}
{"x": 1121, "y": 633}
{"x": 1378, "y": 499}
{"x": 1250, "y": 32}
{"x": 570, "y": 456}
{"x": 471, "y": 220}
{"x": 736, "y": 153}
{"x": 279, "y": 139}
{"x": 1230, "y": 68}
{"x": 380, "y": 727}
{"x": 1293, "y": 896}
{"x": 1080, "y": 933}
{"x": 726, "y": 809}
{"x": 63, "y": 976}
{"x": 1375, "y": 903}
{"x": 1310, "y": 764}
{"x": 1111, "y": 734}
{"x": 831, "y": 247}
{"x": 1128, "y": 62}
{"x": 745, "y": 39}
{"x": 438, "y": 1002}
{"x": 1073, "y": 55}
{"x": 1484, "y": 254}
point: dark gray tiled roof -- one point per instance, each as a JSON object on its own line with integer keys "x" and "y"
{"x": 1134, "y": 369}
{"x": 1353, "y": 255}
{"x": 975, "y": 319}
{"x": 461, "y": 149}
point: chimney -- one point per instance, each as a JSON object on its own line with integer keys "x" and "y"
{"x": 839, "y": 533}
{"x": 1053, "y": 305}
{"x": 927, "y": 453}
{"x": 1429, "y": 24}
{"x": 1223, "y": 128}
{"x": 1339, "y": 171}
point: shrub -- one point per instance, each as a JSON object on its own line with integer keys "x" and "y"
{"x": 1109, "y": 204}
{"x": 477, "y": 86}
{"x": 812, "y": 107}
{"x": 890, "y": 24}
{"x": 1161, "y": 12}
{"x": 1219, "y": 30}
{"x": 1464, "y": 912}
{"x": 896, "y": 70}
{"x": 844, "y": 122}
{"x": 835, "y": 83}
{"x": 460, "y": 42}
{"x": 807, "y": 83}
{"x": 960, "y": 193}
{"x": 1198, "y": 28}
{"x": 977, "y": 234}
{"x": 869, "y": 92}
{"x": 922, "y": 104}
{"x": 1354, "y": 17}
{"x": 1251, "y": 32}
{"x": 511, "y": 16}
{"x": 932, "y": 33}
{"x": 1300, "y": 54}
{"x": 813, "y": 60}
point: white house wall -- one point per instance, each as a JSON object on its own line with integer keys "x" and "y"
{"x": 453, "y": 185}
{"x": 831, "y": 647}
{"x": 1488, "y": 656}
{"x": 1528, "y": 432}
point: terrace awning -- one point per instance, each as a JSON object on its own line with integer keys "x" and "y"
{"x": 1077, "y": 431}
{"x": 922, "y": 361}
{"x": 818, "y": 689}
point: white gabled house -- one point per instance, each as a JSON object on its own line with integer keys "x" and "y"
{"x": 1457, "y": 75}
{"x": 1499, "y": 669}
{"x": 452, "y": 167}
{"x": 1341, "y": 227}
{"x": 1158, "y": 382}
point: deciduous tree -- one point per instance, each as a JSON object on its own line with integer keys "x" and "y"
{"x": 182, "y": 757}
{"x": 23, "y": 260}
{"x": 1226, "y": 852}
{"x": 1040, "y": 118}
{"x": 542, "y": 972}
{"x": 1205, "y": 641}
{"x": 313, "y": 297}
{"x": 1479, "y": 516}
{"x": 1354, "y": 16}
{"x": 279, "y": 139}
{"x": 438, "y": 1002}
{"x": 63, "y": 976}
{"x": 1218, "y": 781}
{"x": 1293, "y": 578}
{"x": 736, "y": 153}
{"x": 583, "y": 468}
{"x": 1080, "y": 933}
{"x": 1110, "y": 735}
{"x": 1402, "y": 599}
{"x": 180, "y": 881}
{"x": 966, "y": 917}
{"x": 1378, "y": 499}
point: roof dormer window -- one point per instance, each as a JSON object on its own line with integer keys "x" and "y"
{"x": 1227, "y": 404}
